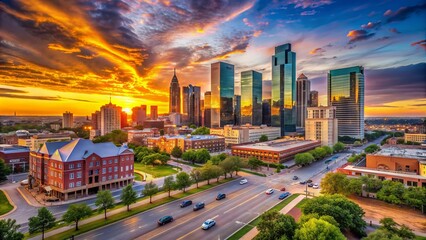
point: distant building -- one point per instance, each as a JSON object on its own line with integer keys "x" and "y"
{"x": 67, "y": 120}
{"x": 36, "y": 141}
{"x": 96, "y": 120}
{"x": 154, "y": 112}
{"x": 245, "y": 133}
{"x": 266, "y": 102}
{"x": 174, "y": 100}
{"x": 321, "y": 124}
{"x": 94, "y": 133}
{"x": 55, "y": 126}
{"x": 313, "y": 99}
{"x": 237, "y": 110}
{"x": 207, "y": 109}
{"x": 124, "y": 122}
{"x": 110, "y": 118}
{"x": 142, "y": 135}
{"x": 185, "y": 142}
{"x": 251, "y": 98}
{"x": 17, "y": 157}
{"x": 9, "y": 138}
{"x": 222, "y": 94}
{"x": 138, "y": 115}
{"x": 302, "y": 99}
{"x": 176, "y": 118}
{"x": 192, "y": 104}
{"x": 154, "y": 124}
{"x": 415, "y": 137}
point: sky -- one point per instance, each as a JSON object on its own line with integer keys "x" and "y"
{"x": 58, "y": 56}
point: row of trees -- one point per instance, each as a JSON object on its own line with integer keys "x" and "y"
{"x": 356, "y": 157}
{"x": 118, "y": 137}
{"x": 196, "y": 156}
{"x": 389, "y": 229}
{"x": 372, "y": 148}
{"x": 149, "y": 156}
{"x": 316, "y": 154}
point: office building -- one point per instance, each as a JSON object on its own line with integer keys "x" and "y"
{"x": 302, "y": 99}
{"x": 266, "y": 102}
{"x": 237, "y": 110}
{"x": 96, "y": 120}
{"x": 138, "y": 115}
{"x": 124, "y": 123}
{"x": 175, "y": 118}
{"x": 222, "y": 94}
{"x": 415, "y": 137}
{"x": 191, "y": 104}
{"x": 154, "y": 112}
{"x": 174, "y": 100}
{"x": 245, "y": 133}
{"x": 313, "y": 99}
{"x": 69, "y": 170}
{"x": 110, "y": 118}
{"x": 251, "y": 98}
{"x": 140, "y": 136}
{"x": 67, "y": 120}
{"x": 207, "y": 109}
{"x": 283, "y": 109}
{"x": 167, "y": 143}
{"x": 153, "y": 124}
{"x": 37, "y": 140}
{"x": 346, "y": 92}
{"x": 15, "y": 156}
{"x": 321, "y": 124}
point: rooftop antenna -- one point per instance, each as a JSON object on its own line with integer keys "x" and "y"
{"x": 174, "y": 71}
{"x": 110, "y": 98}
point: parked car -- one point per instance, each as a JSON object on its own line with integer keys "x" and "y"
{"x": 309, "y": 181}
{"x": 269, "y": 191}
{"x": 302, "y": 182}
{"x": 208, "y": 224}
{"x": 282, "y": 189}
{"x": 243, "y": 181}
{"x": 316, "y": 186}
{"x": 164, "y": 220}
{"x": 185, "y": 203}
{"x": 295, "y": 177}
{"x": 24, "y": 182}
{"x": 310, "y": 184}
{"x": 221, "y": 196}
{"x": 284, "y": 195}
{"x": 198, "y": 206}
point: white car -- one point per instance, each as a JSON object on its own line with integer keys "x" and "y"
{"x": 24, "y": 182}
{"x": 316, "y": 186}
{"x": 243, "y": 181}
{"x": 269, "y": 191}
{"x": 208, "y": 224}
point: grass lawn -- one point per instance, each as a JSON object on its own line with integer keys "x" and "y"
{"x": 138, "y": 177}
{"x": 156, "y": 171}
{"x": 256, "y": 221}
{"x": 5, "y": 205}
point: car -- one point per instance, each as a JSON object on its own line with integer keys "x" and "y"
{"x": 185, "y": 203}
{"x": 24, "y": 182}
{"x": 309, "y": 181}
{"x": 310, "y": 184}
{"x": 316, "y": 186}
{"x": 295, "y": 177}
{"x": 164, "y": 220}
{"x": 269, "y": 191}
{"x": 328, "y": 161}
{"x": 221, "y": 196}
{"x": 208, "y": 224}
{"x": 198, "y": 206}
{"x": 302, "y": 182}
{"x": 283, "y": 195}
{"x": 282, "y": 189}
{"x": 243, "y": 181}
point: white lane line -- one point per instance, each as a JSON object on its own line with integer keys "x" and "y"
{"x": 128, "y": 223}
{"x": 255, "y": 196}
{"x": 165, "y": 209}
{"x": 97, "y": 235}
{"x": 133, "y": 230}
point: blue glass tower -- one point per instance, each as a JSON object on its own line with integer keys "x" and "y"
{"x": 251, "y": 97}
{"x": 222, "y": 94}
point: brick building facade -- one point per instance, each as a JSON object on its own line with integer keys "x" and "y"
{"x": 17, "y": 157}
{"x": 209, "y": 142}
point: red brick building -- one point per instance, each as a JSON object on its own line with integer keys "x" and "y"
{"x": 17, "y": 157}
{"x": 167, "y": 143}
{"x": 80, "y": 167}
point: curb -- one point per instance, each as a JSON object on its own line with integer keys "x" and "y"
{"x": 11, "y": 203}
{"x": 26, "y": 199}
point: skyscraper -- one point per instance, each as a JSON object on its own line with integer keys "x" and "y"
{"x": 174, "y": 100}
{"x": 313, "y": 99}
{"x": 237, "y": 110}
{"x": 266, "y": 102}
{"x": 110, "y": 118}
{"x": 302, "y": 98}
{"x": 222, "y": 90}
{"x": 191, "y": 104}
{"x": 207, "y": 109}
{"x": 124, "y": 122}
{"x": 283, "y": 109}
{"x": 154, "y": 112}
{"x": 138, "y": 115}
{"x": 251, "y": 97}
{"x": 345, "y": 90}
{"x": 96, "y": 120}
{"x": 67, "y": 120}
{"x": 321, "y": 124}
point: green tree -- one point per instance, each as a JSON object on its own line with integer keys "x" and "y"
{"x": 104, "y": 201}
{"x": 196, "y": 175}
{"x": 43, "y": 221}
{"x": 371, "y": 184}
{"x": 183, "y": 181}
{"x": 338, "y": 147}
{"x": 215, "y": 160}
{"x": 190, "y": 155}
{"x": 231, "y": 164}
{"x": 169, "y": 184}
{"x": 202, "y": 155}
{"x": 415, "y": 197}
{"x": 389, "y": 229}
{"x": 118, "y": 137}
{"x": 76, "y": 212}
{"x": 354, "y": 186}
{"x": 318, "y": 229}
{"x": 150, "y": 190}
{"x": 128, "y": 196}
{"x": 208, "y": 172}
{"x": 176, "y": 152}
{"x": 4, "y": 170}
{"x": 263, "y": 138}
{"x": 334, "y": 183}
{"x": 254, "y": 163}
{"x": 274, "y": 225}
{"x": 328, "y": 150}
{"x": 381, "y": 234}
{"x": 9, "y": 230}
{"x": 216, "y": 172}
{"x": 320, "y": 153}
{"x": 357, "y": 143}
{"x": 201, "y": 131}
{"x": 155, "y": 158}
{"x": 391, "y": 192}
{"x": 193, "y": 126}
{"x": 372, "y": 148}
{"x": 303, "y": 159}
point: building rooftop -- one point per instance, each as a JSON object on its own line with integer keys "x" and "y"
{"x": 382, "y": 171}
{"x": 6, "y": 148}
{"x": 189, "y": 136}
{"x": 276, "y": 145}
{"x": 53, "y": 135}
{"x": 419, "y": 154}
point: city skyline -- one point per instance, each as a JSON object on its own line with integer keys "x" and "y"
{"x": 50, "y": 61}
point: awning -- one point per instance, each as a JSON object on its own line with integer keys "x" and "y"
{"x": 48, "y": 188}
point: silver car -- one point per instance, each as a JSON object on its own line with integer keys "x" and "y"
{"x": 208, "y": 224}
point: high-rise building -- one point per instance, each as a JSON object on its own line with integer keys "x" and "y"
{"x": 313, "y": 99}
{"x": 124, "y": 122}
{"x": 138, "y": 115}
{"x": 321, "y": 125}
{"x": 191, "y": 104}
{"x": 96, "y": 120}
{"x": 110, "y": 118}
{"x": 346, "y": 92}
{"x": 174, "y": 101}
{"x": 67, "y": 120}
{"x": 302, "y": 98}
{"x": 251, "y": 97}
{"x": 222, "y": 90}
{"x": 237, "y": 110}
{"x": 207, "y": 109}
{"x": 154, "y": 112}
{"x": 283, "y": 109}
{"x": 202, "y": 112}
{"x": 266, "y": 102}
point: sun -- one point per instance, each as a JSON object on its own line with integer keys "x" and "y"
{"x": 127, "y": 110}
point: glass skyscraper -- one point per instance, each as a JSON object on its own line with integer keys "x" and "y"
{"x": 222, "y": 94}
{"x": 237, "y": 110}
{"x": 207, "y": 109}
{"x": 251, "y": 97}
{"x": 302, "y": 99}
{"x": 283, "y": 109}
{"x": 191, "y": 104}
{"x": 345, "y": 88}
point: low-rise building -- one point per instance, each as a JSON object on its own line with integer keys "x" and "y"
{"x": 245, "y": 134}
{"x": 141, "y": 135}
{"x": 321, "y": 124}
{"x": 415, "y": 137}
{"x": 36, "y": 141}
{"x": 17, "y": 157}
{"x": 276, "y": 151}
{"x": 153, "y": 124}
{"x": 167, "y": 143}
{"x": 8, "y": 138}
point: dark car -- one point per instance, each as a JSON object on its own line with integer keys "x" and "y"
{"x": 309, "y": 181}
{"x": 284, "y": 195}
{"x": 310, "y": 184}
{"x": 302, "y": 182}
{"x": 295, "y": 177}
{"x": 164, "y": 220}
{"x": 282, "y": 189}
{"x": 198, "y": 206}
{"x": 186, "y": 203}
{"x": 221, "y": 196}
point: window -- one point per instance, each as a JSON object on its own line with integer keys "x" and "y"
{"x": 78, "y": 174}
{"x": 60, "y": 175}
{"x": 110, "y": 169}
{"x": 71, "y": 185}
{"x": 109, "y": 177}
{"x": 60, "y": 166}
{"x": 115, "y": 176}
{"x": 110, "y": 161}
{"x": 104, "y": 162}
{"x": 116, "y": 160}
{"x": 78, "y": 184}
{"x": 121, "y": 169}
{"x": 71, "y": 175}
{"x": 131, "y": 167}
{"x": 96, "y": 171}
{"x": 115, "y": 169}
{"x": 78, "y": 165}
{"x": 71, "y": 166}
{"x": 103, "y": 170}
{"x": 93, "y": 158}
{"x": 103, "y": 179}
{"x": 97, "y": 163}
{"x": 127, "y": 168}
{"x": 91, "y": 164}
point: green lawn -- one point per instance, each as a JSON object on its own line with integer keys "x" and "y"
{"x": 5, "y": 205}
{"x": 156, "y": 171}
{"x": 138, "y": 177}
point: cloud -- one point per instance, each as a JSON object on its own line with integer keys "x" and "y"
{"x": 394, "y": 30}
{"x": 317, "y": 51}
{"x": 43, "y": 98}
{"x": 247, "y": 22}
{"x": 309, "y": 3}
{"x": 421, "y": 43}
{"x": 9, "y": 90}
{"x": 308, "y": 13}
{"x": 403, "y": 13}
{"x": 419, "y": 105}
{"x": 372, "y": 25}
{"x": 358, "y": 35}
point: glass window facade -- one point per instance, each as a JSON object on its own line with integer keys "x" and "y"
{"x": 251, "y": 98}
{"x": 222, "y": 94}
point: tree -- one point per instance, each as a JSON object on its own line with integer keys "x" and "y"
{"x": 176, "y": 152}
{"x": 216, "y": 172}
{"x": 193, "y": 126}
{"x": 320, "y": 153}
{"x": 183, "y": 181}
{"x": 128, "y": 196}
{"x": 104, "y": 201}
{"x": 263, "y": 138}
{"x": 169, "y": 184}
{"x": 155, "y": 158}
{"x": 415, "y": 197}
{"x": 43, "y": 221}
{"x": 208, "y": 172}
{"x": 357, "y": 143}
{"x": 202, "y": 155}
{"x": 196, "y": 175}
{"x": 215, "y": 160}
{"x": 201, "y": 131}
{"x": 4, "y": 170}
{"x": 9, "y": 230}
{"x": 334, "y": 183}
{"x": 372, "y": 148}
{"x": 303, "y": 159}
{"x": 318, "y": 229}
{"x": 150, "y": 190}
{"x": 76, "y": 212}
{"x": 231, "y": 164}
{"x": 354, "y": 186}
{"x": 189, "y": 155}
{"x": 391, "y": 192}
{"x": 328, "y": 150}
{"x": 161, "y": 132}
{"x": 274, "y": 225}
{"x": 381, "y": 234}
{"x": 338, "y": 147}
{"x": 371, "y": 184}
{"x": 118, "y": 137}
{"x": 389, "y": 229}
{"x": 254, "y": 163}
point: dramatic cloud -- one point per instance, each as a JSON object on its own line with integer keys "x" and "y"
{"x": 421, "y": 43}
{"x": 358, "y": 35}
{"x": 317, "y": 51}
{"x": 309, "y": 3}
{"x": 247, "y": 22}
{"x": 308, "y": 13}
{"x": 43, "y": 98}
{"x": 403, "y": 13}
{"x": 394, "y": 30}
{"x": 372, "y": 25}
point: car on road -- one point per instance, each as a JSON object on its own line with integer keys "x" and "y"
{"x": 269, "y": 191}
{"x": 164, "y": 220}
{"x": 309, "y": 181}
{"x": 302, "y": 182}
{"x": 208, "y": 224}
{"x": 185, "y": 203}
{"x": 295, "y": 177}
{"x": 221, "y": 196}
{"x": 310, "y": 184}
{"x": 283, "y": 195}
{"x": 316, "y": 186}
{"x": 282, "y": 189}
{"x": 243, "y": 181}
{"x": 198, "y": 206}
{"x": 24, "y": 182}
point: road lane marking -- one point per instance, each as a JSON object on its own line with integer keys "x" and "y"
{"x": 255, "y": 196}
{"x": 163, "y": 210}
{"x": 194, "y": 230}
